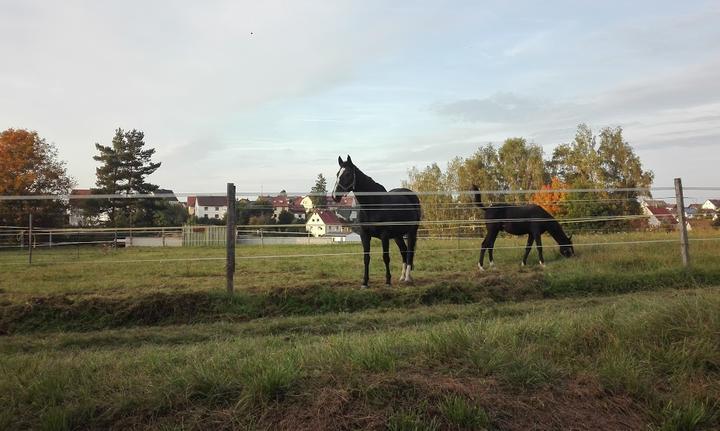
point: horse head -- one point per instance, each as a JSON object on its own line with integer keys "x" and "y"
{"x": 567, "y": 249}
{"x": 345, "y": 179}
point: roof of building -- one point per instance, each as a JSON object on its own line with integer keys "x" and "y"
{"x": 280, "y": 201}
{"x": 78, "y": 192}
{"x": 296, "y": 203}
{"x": 82, "y": 192}
{"x": 212, "y": 201}
{"x": 662, "y": 214}
{"x": 715, "y": 202}
{"x": 329, "y": 218}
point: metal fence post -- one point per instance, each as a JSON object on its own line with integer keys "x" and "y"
{"x": 30, "y": 245}
{"x": 680, "y": 203}
{"x": 230, "y": 238}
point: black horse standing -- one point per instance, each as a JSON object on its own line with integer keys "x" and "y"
{"x": 382, "y": 214}
{"x": 530, "y": 220}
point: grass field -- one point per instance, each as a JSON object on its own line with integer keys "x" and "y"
{"x": 620, "y": 337}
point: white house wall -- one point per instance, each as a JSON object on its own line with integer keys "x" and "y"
{"x": 211, "y": 212}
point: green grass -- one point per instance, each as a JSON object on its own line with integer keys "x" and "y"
{"x": 639, "y": 344}
{"x": 123, "y": 288}
{"x": 619, "y": 335}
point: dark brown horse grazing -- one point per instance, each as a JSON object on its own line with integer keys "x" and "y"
{"x": 385, "y": 215}
{"x": 530, "y": 220}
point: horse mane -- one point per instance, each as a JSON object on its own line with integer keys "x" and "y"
{"x": 367, "y": 181}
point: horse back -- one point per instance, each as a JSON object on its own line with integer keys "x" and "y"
{"x": 398, "y": 206}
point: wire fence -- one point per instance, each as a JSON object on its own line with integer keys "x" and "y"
{"x": 456, "y": 218}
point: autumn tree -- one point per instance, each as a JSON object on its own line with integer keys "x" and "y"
{"x": 551, "y": 197}
{"x": 605, "y": 161}
{"x": 30, "y": 166}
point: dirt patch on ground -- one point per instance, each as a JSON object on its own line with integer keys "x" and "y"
{"x": 579, "y": 404}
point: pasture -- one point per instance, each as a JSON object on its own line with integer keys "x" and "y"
{"x": 620, "y": 337}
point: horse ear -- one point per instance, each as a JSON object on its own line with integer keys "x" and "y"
{"x": 340, "y": 161}
{"x": 349, "y": 160}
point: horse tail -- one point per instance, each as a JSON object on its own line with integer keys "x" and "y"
{"x": 476, "y": 196}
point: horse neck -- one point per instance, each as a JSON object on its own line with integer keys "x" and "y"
{"x": 557, "y": 233}
{"x": 364, "y": 183}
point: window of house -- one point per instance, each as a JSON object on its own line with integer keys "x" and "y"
{"x": 217, "y": 215}
{"x": 205, "y": 208}
{"x": 217, "y": 208}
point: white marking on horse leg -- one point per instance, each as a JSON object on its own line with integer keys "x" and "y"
{"x": 480, "y": 267}
{"x": 522, "y": 263}
{"x": 542, "y": 264}
{"x": 402, "y": 276}
{"x": 408, "y": 278}
{"x": 492, "y": 263}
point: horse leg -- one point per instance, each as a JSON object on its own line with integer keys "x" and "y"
{"x": 487, "y": 244}
{"x": 538, "y": 244}
{"x": 403, "y": 252}
{"x": 412, "y": 241}
{"x": 528, "y": 247}
{"x": 386, "y": 257}
{"x": 365, "y": 238}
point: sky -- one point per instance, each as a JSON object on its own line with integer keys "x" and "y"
{"x": 267, "y": 94}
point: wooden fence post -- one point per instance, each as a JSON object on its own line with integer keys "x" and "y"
{"x": 680, "y": 203}
{"x": 30, "y": 244}
{"x": 230, "y": 241}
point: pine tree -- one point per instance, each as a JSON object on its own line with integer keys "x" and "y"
{"x": 319, "y": 192}
{"x": 124, "y": 168}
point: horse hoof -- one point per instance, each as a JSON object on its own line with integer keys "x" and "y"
{"x": 364, "y": 286}
{"x": 480, "y": 267}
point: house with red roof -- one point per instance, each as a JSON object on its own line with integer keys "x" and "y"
{"x": 322, "y": 223}
{"x": 660, "y": 217}
{"x": 191, "y": 200}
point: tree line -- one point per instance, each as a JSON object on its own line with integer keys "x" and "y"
{"x": 29, "y": 165}
{"x": 590, "y": 161}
